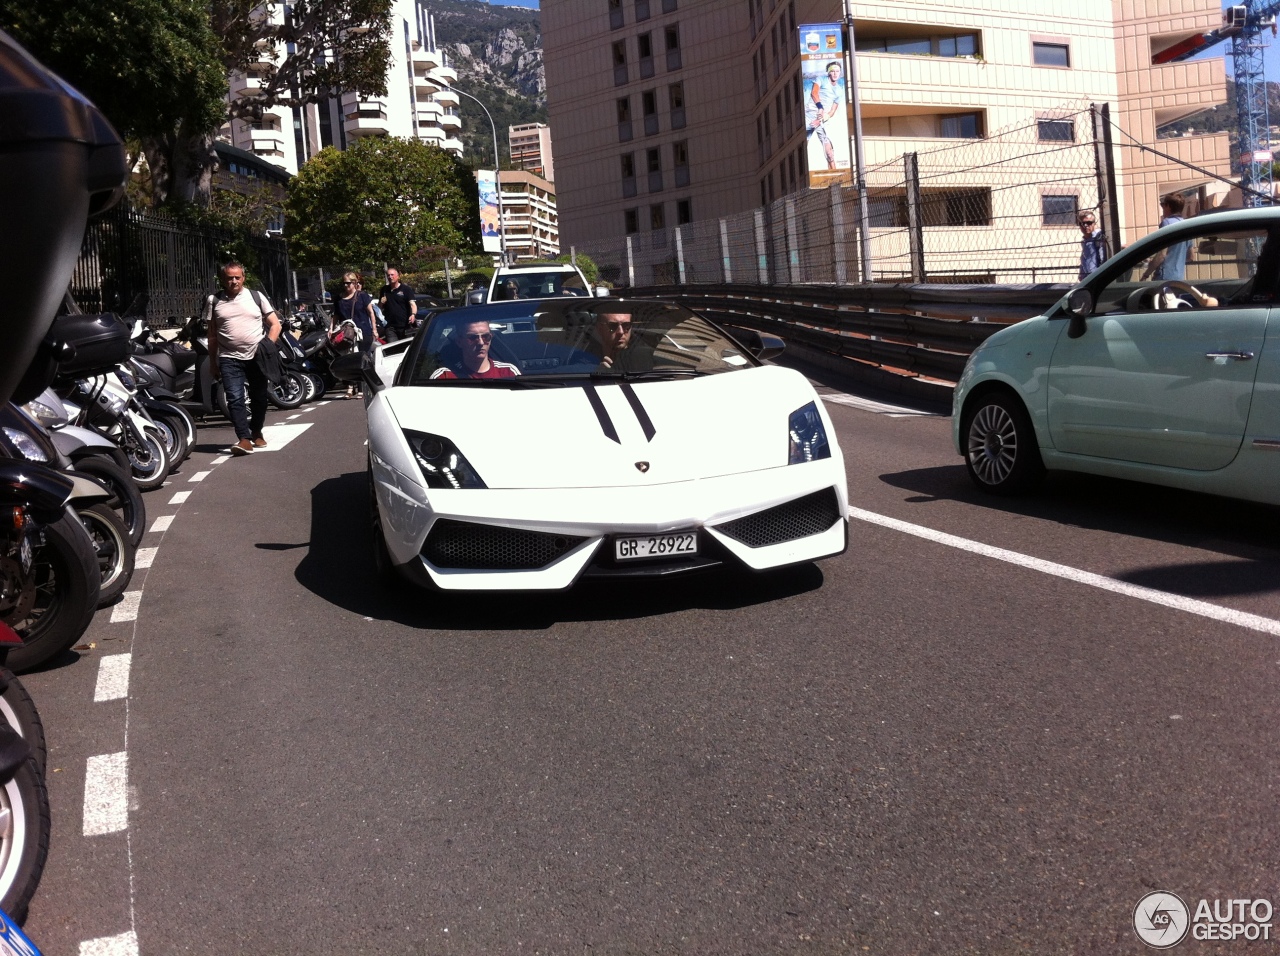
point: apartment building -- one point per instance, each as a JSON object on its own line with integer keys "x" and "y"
{"x": 530, "y": 148}
{"x": 667, "y": 112}
{"x": 530, "y": 216}
{"x": 418, "y": 103}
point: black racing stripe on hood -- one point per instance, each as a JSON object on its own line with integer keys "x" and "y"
{"x": 646, "y": 422}
{"x": 602, "y": 414}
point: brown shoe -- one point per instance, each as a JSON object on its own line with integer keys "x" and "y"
{"x": 259, "y": 441}
{"x": 242, "y": 447}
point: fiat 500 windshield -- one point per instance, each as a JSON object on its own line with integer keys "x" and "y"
{"x": 542, "y": 342}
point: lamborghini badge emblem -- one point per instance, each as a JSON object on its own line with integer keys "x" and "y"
{"x": 643, "y": 466}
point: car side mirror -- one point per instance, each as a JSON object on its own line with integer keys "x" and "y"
{"x": 1079, "y": 307}
{"x": 475, "y": 297}
{"x": 761, "y": 345}
{"x": 603, "y": 292}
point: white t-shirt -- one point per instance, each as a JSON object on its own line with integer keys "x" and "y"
{"x": 240, "y": 323}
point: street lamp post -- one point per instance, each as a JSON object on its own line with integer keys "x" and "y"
{"x": 497, "y": 173}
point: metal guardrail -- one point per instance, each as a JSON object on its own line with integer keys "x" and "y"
{"x": 924, "y": 330}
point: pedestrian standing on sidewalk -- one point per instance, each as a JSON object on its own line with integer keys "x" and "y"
{"x": 1093, "y": 244}
{"x": 238, "y": 320}
{"x": 356, "y": 305}
{"x": 399, "y": 305}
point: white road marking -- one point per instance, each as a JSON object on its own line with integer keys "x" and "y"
{"x": 106, "y": 794}
{"x": 144, "y": 557}
{"x": 113, "y": 678}
{"x": 220, "y": 459}
{"x": 126, "y": 944}
{"x": 162, "y": 523}
{"x": 1227, "y": 615}
{"x": 880, "y": 408}
{"x": 292, "y": 417}
{"x": 127, "y": 609}
{"x": 200, "y": 476}
{"x": 278, "y": 436}
{"x": 325, "y": 402}
{"x": 179, "y": 497}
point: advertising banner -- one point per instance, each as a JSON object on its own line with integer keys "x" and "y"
{"x": 826, "y": 118}
{"x": 490, "y": 235}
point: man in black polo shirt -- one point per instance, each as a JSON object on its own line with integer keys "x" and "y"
{"x": 398, "y": 306}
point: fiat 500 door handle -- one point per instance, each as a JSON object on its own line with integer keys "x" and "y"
{"x": 1223, "y": 356}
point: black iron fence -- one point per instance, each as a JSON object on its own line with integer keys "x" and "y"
{"x": 129, "y": 257}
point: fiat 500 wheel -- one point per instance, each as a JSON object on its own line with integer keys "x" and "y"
{"x": 1000, "y": 447}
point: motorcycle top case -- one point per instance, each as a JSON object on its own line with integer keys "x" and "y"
{"x": 77, "y": 346}
{"x": 60, "y": 160}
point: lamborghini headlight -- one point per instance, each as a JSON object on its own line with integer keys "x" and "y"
{"x": 442, "y": 465}
{"x": 807, "y": 435}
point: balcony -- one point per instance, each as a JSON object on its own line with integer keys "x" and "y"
{"x": 426, "y": 60}
{"x": 453, "y": 145}
{"x": 266, "y": 142}
{"x": 429, "y": 111}
{"x": 424, "y": 85}
{"x": 446, "y": 75}
{"x": 446, "y": 98}
{"x": 246, "y": 84}
{"x": 431, "y": 133}
{"x": 364, "y": 117}
{"x": 451, "y": 122}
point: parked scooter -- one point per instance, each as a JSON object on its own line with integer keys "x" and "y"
{"x": 163, "y": 407}
{"x": 111, "y": 542}
{"x": 107, "y": 404}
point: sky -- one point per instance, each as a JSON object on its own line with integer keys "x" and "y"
{"x": 514, "y": 3}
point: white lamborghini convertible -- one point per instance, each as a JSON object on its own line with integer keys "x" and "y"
{"x": 527, "y": 444}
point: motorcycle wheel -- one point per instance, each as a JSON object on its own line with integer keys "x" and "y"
{"x": 18, "y": 710}
{"x": 53, "y": 605}
{"x": 24, "y": 838}
{"x": 183, "y": 418}
{"x": 309, "y": 384}
{"x": 174, "y": 433}
{"x": 321, "y": 385}
{"x": 115, "y": 551}
{"x": 126, "y": 499}
{"x": 290, "y": 393}
{"x": 148, "y": 461}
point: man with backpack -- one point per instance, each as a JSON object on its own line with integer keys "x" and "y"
{"x": 238, "y": 320}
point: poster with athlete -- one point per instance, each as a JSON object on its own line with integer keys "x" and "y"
{"x": 490, "y": 230}
{"x": 826, "y": 117}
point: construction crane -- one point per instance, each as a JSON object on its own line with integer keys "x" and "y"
{"x": 1243, "y": 24}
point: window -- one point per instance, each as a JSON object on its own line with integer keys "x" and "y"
{"x": 680, "y": 162}
{"x": 615, "y": 14}
{"x": 675, "y": 94}
{"x": 673, "y": 47}
{"x": 1044, "y": 53}
{"x": 957, "y": 207}
{"x": 630, "y": 221}
{"x": 649, "y": 106}
{"x": 642, "y": 10}
{"x": 619, "y": 63}
{"x": 624, "y": 119}
{"x": 653, "y": 160}
{"x": 657, "y": 220}
{"x": 1058, "y": 210}
{"x": 961, "y": 126}
{"x": 645, "y": 43}
{"x": 684, "y": 212}
{"x": 1055, "y": 131}
{"x": 628, "y": 175}
{"x": 955, "y": 45}
{"x": 668, "y": 6}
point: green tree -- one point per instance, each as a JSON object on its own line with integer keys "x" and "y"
{"x": 158, "y": 68}
{"x": 381, "y": 200}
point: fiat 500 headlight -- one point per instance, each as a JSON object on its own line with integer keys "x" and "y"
{"x": 442, "y": 465}
{"x": 807, "y": 435}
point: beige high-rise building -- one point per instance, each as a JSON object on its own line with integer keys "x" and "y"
{"x": 667, "y": 112}
{"x": 530, "y": 146}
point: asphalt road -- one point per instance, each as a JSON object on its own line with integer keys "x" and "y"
{"x": 913, "y": 748}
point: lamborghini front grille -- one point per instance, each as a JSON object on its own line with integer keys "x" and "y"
{"x": 482, "y": 547}
{"x": 800, "y": 518}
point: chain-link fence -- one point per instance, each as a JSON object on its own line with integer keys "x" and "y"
{"x": 997, "y": 210}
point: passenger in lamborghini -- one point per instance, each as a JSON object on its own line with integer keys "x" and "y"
{"x": 473, "y": 340}
{"x": 612, "y": 337}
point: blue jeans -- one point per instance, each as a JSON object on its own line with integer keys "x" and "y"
{"x": 235, "y": 374}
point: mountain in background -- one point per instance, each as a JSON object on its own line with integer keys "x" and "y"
{"x": 1223, "y": 118}
{"x": 497, "y": 52}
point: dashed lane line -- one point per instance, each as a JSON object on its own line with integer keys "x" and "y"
{"x": 220, "y": 459}
{"x": 144, "y": 557}
{"x": 200, "y": 476}
{"x": 126, "y": 944}
{"x": 179, "y": 497}
{"x": 880, "y": 408}
{"x": 113, "y": 678}
{"x": 162, "y": 523}
{"x": 1255, "y": 622}
{"x": 106, "y": 794}
{"x": 127, "y": 608}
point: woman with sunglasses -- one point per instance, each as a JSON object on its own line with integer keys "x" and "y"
{"x": 355, "y": 305}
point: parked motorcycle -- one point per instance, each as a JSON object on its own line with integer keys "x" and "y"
{"x": 107, "y": 404}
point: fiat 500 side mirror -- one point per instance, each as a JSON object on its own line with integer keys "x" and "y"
{"x": 1079, "y": 307}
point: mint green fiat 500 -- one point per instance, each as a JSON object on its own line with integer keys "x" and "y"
{"x": 1172, "y": 380}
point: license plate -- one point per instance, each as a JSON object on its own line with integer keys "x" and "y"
{"x": 25, "y": 556}
{"x": 655, "y": 545}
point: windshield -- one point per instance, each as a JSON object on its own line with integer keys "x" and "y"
{"x": 537, "y": 285}
{"x": 548, "y": 341}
